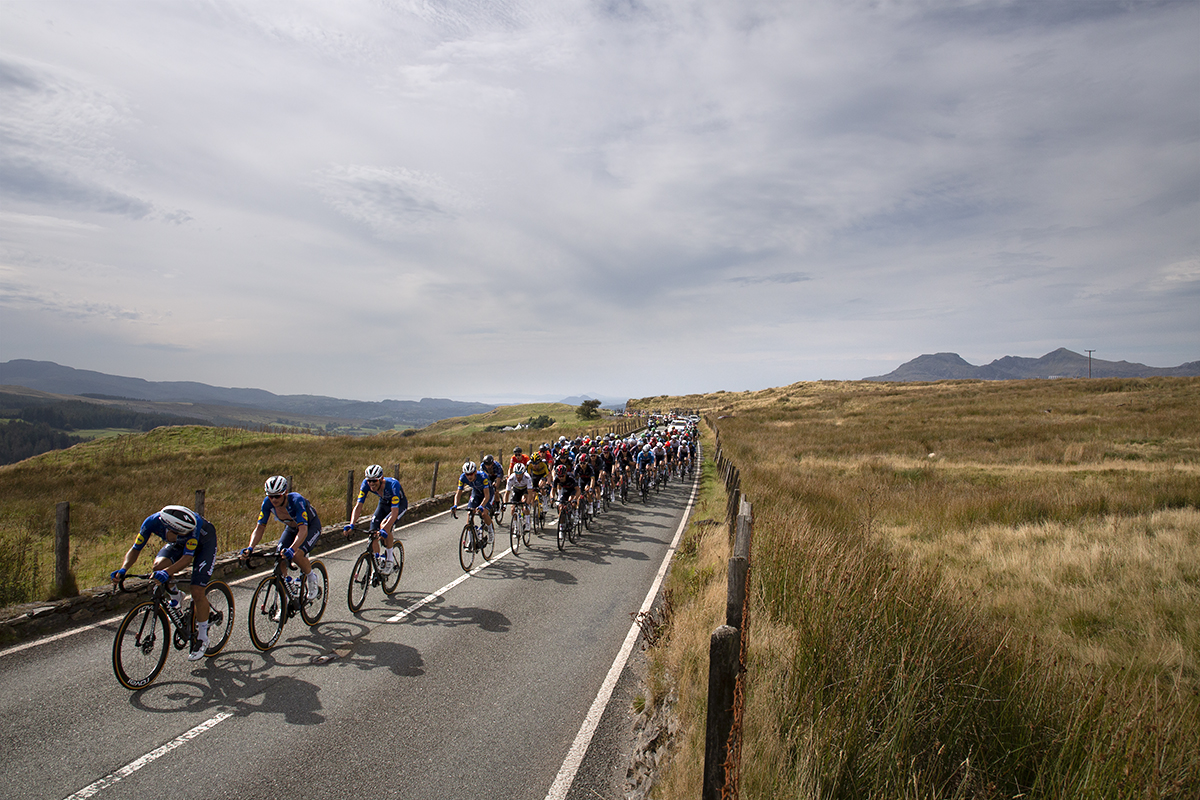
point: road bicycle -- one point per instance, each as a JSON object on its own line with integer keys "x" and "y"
{"x": 279, "y": 597}
{"x": 544, "y": 502}
{"x": 644, "y": 485}
{"x": 567, "y": 520}
{"x": 520, "y": 525}
{"x": 152, "y": 626}
{"x": 474, "y": 539}
{"x": 368, "y": 572}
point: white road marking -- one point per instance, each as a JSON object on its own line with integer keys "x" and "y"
{"x": 153, "y": 755}
{"x": 566, "y": 775}
{"x": 429, "y": 598}
{"x": 113, "y": 620}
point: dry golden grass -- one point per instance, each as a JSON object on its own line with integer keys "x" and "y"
{"x": 970, "y": 589}
{"x": 113, "y": 484}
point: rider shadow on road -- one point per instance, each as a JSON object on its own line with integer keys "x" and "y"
{"x": 527, "y": 565}
{"x": 402, "y": 660}
{"x": 238, "y": 685}
{"x": 450, "y": 616}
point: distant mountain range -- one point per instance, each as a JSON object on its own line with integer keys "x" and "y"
{"x": 1062, "y": 363}
{"x": 47, "y": 376}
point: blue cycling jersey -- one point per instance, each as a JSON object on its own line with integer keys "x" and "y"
{"x": 476, "y": 482}
{"x": 294, "y": 512}
{"x": 154, "y": 525}
{"x": 390, "y": 493}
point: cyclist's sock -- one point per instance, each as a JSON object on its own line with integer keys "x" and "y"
{"x": 202, "y": 632}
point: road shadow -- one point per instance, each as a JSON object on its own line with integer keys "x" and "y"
{"x": 443, "y": 614}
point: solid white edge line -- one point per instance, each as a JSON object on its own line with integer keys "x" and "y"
{"x": 153, "y": 755}
{"x": 76, "y": 631}
{"x": 583, "y": 740}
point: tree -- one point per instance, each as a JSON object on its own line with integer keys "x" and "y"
{"x": 588, "y": 409}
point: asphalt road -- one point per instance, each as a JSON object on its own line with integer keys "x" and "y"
{"x": 477, "y": 692}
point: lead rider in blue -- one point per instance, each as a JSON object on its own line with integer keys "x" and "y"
{"x": 191, "y": 541}
{"x": 392, "y": 505}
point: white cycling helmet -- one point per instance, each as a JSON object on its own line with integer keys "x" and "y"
{"x": 469, "y": 466}
{"x": 519, "y": 469}
{"x": 276, "y": 484}
{"x": 373, "y": 472}
{"x": 179, "y": 518}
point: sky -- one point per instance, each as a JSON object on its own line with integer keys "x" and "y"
{"x": 521, "y": 199}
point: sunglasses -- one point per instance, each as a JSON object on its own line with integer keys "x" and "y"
{"x": 275, "y": 496}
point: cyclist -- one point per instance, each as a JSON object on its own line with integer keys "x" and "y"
{"x": 481, "y": 493}
{"x": 518, "y": 457}
{"x": 495, "y": 475}
{"x": 645, "y": 464}
{"x": 392, "y": 505}
{"x": 191, "y": 541}
{"x": 567, "y": 486}
{"x": 519, "y": 490}
{"x": 539, "y": 471}
{"x": 302, "y": 527}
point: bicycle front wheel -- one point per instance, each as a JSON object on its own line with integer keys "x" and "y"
{"x": 140, "y": 647}
{"x": 268, "y": 613}
{"x": 564, "y": 524}
{"x": 515, "y": 523}
{"x": 312, "y": 604}
{"x": 466, "y": 548}
{"x": 490, "y": 545}
{"x": 527, "y": 523}
{"x": 360, "y": 581}
{"x": 390, "y": 582}
{"x": 220, "y": 616}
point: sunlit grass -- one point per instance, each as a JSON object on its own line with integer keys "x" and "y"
{"x": 113, "y": 483}
{"x": 968, "y": 589}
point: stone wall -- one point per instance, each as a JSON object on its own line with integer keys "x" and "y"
{"x": 31, "y": 620}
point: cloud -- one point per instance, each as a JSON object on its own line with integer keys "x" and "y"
{"x": 871, "y": 177}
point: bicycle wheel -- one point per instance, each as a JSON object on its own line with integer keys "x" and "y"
{"x": 220, "y": 616}
{"x": 564, "y": 524}
{"x": 268, "y": 613}
{"x": 360, "y": 581}
{"x": 466, "y": 547}
{"x": 140, "y": 646}
{"x": 515, "y": 523}
{"x": 576, "y": 525}
{"x": 490, "y": 546}
{"x": 313, "y": 608}
{"x": 527, "y": 527}
{"x": 392, "y": 580}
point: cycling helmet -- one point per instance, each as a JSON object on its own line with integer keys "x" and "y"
{"x": 469, "y": 466}
{"x": 488, "y": 459}
{"x": 373, "y": 472}
{"x": 561, "y": 471}
{"x": 519, "y": 469}
{"x": 276, "y": 484}
{"x": 537, "y": 457}
{"x": 178, "y": 518}
{"x": 591, "y": 451}
{"x": 516, "y": 451}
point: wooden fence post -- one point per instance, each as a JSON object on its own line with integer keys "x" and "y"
{"x": 64, "y": 581}
{"x": 199, "y": 507}
{"x": 349, "y": 493}
{"x": 724, "y": 655}
{"x": 433, "y": 488}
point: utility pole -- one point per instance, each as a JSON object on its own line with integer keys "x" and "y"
{"x": 1089, "y": 352}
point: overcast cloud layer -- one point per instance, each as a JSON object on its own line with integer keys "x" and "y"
{"x": 485, "y": 200}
